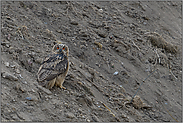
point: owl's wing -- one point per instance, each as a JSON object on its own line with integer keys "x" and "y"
{"x": 52, "y": 66}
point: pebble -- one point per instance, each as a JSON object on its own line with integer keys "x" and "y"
{"x": 101, "y": 33}
{"x": 70, "y": 115}
{"x": 32, "y": 98}
{"x": 17, "y": 71}
{"x": 95, "y": 118}
{"x": 100, "y": 10}
{"x": 14, "y": 116}
{"x": 38, "y": 60}
{"x": 15, "y": 64}
{"x": 48, "y": 97}
{"x": 9, "y": 76}
{"x": 7, "y": 64}
{"x": 12, "y": 66}
{"x": 5, "y": 43}
{"x": 144, "y": 23}
{"x": 28, "y": 98}
{"x": 25, "y": 82}
{"x": 88, "y": 120}
{"x": 23, "y": 116}
{"x": 116, "y": 73}
{"x": 20, "y": 76}
{"x": 123, "y": 116}
{"x": 74, "y": 22}
{"x": 114, "y": 17}
{"x": 146, "y": 61}
{"x": 45, "y": 90}
{"x": 33, "y": 90}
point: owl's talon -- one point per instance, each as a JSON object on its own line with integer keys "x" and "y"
{"x": 63, "y": 87}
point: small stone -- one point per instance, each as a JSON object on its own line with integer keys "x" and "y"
{"x": 25, "y": 82}
{"x": 88, "y": 120}
{"x": 140, "y": 39}
{"x": 12, "y": 66}
{"x": 16, "y": 64}
{"x": 123, "y": 116}
{"x": 20, "y": 76}
{"x": 9, "y": 76}
{"x": 45, "y": 90}
{"x": 100, "y": 10}
{"x": 73, "y": 22}
{"x": 5, "y": 43}
{"x": 28, "y": 98}
{"x": 95, "y": 118}
{"x": 17, "y": 86}
{"x": 116, "y": 73}
{"x": 32, "y": 98}
{"x": 98, "y": 44}
{"x": 23, "y": 116}
{"x": 59, "y": 31}
{"x": 70, "y": 115}
{"x": 101, "y": 33}
{"x": 17, "y": 71}
{"x": 33, "y": 90}
{"x": 146, "y": 61}
{"x": 114, "y": 17}
{"x": 39, "y": 60}
{"x": 7, "y": 64}
{"x": 14, "y": 116}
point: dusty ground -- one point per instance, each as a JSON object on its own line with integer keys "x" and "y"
{"x": 114, "y": 46}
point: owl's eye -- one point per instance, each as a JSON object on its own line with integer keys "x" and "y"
{"x": 63, "y": 48}
{"x": 57, "y": 47}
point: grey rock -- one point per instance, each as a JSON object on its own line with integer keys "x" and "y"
{"x": 101, "y": 33}
{"x": 7, "y": 64}
{"x": 9, "y": 76}
{"x": 15, "y": 117}
{"x": 70, "y": 115}
{"x": 45, "y": 90}
{"x": 73, "y": 22}
{"x": 95, "y": 118}
{"x": 17, "y": 71}
{"x": 23, "y": 116}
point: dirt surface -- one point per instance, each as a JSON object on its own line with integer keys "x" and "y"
{"x": 114, "y": 46}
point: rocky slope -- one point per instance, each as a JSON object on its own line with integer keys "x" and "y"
{"x": 114, "y": 46}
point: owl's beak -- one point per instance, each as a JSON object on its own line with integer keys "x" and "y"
{"x": 60, "y": 50}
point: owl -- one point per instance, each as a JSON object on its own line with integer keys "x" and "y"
{"x": 54, "y": 68}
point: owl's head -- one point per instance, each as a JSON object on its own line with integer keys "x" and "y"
{"x": 61, "y": 48}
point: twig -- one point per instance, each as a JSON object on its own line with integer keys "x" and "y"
{"x": 158, "y": 56}
{"x": 110, "y": 111}
{"x": 11, "y": 26}
{"x": 107, "y": 108}
{"x": 141, "y": 85}
{"x": 136, "y": 45}
{"x": 21, "y": 34}
{"x": 172, "y": 74}
{"x": 169, "y": 112}
{"x": 169, "y": 67}
{"x": 155, "y": 62}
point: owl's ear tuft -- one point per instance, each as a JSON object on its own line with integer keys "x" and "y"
{"x": 58, "y": 42}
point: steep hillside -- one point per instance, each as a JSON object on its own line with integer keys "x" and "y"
{"x": 114, "y": 46}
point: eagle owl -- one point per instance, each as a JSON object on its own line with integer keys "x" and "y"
{"x": 54, "y": 68}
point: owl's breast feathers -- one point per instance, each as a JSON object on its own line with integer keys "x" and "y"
{"x": 52, "y": 66}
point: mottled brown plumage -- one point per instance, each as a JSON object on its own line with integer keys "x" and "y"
{"x": 54, "y": 68}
